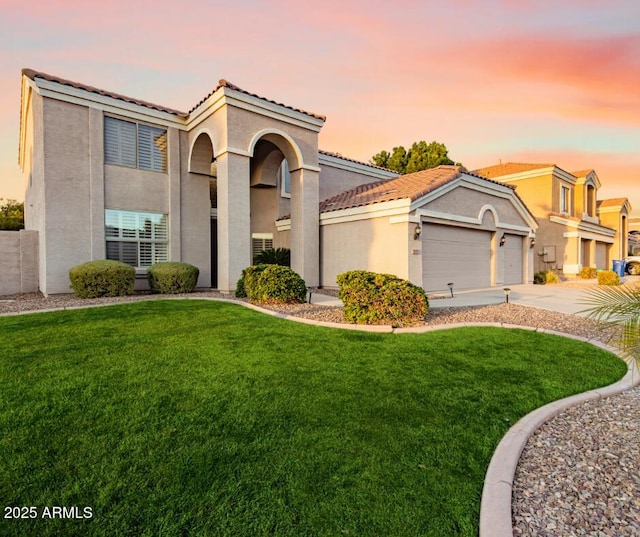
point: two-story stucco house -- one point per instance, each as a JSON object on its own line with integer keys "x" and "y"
{"x": 109, "y": 176}
{"x": 575, "y": 229}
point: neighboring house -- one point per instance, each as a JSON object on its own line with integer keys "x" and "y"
{"x": 634, "y": 236}
{"x": 572, "y": 233}
{"x": 614, "y": 213}
{"x": 108, "y": 176}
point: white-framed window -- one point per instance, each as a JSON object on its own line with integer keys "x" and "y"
{"x": 135, "y": 145}
{"x": 259, "y": 242}
{"x": 139, "y": 239}
{"x": 285, "y": 179}
{"x": 565, "y": 200}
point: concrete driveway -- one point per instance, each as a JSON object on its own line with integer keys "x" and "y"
{"x": 562, "y": 298}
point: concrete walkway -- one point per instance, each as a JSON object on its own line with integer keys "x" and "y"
{"x": 549, "y": 297}
{"x": 560, "y": 298}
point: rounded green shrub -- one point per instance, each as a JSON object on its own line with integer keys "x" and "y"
{"x": 608, "y": 277}
{"x": 172, "y": 277}
{"x": 102, "y": 277}
{"x": 275, "y": 284}
{"x": 540, "y": 278}
{"x": 373, "y": 298}
{"x": 246, "y": 286}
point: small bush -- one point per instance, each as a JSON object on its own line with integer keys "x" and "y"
{"x": 540, "y": 278}
{"x": 274, "y": 284}
{"x": 172, "y": 277}
{"x": 247, "y": 283}
{"x": 588, "y": 273}
{"x": 552, "y": 277}
{"x": 279, "y": 256}
{"x": 608, "y": 277}
{"x": 102, "y": 278}
{"x": 372, "y": 298}
{"x": 241, "y": 292}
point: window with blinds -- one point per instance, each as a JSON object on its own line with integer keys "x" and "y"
{"x": 259, "y": 242}
{"x": 136, "y": 238}
{"x": 135, "y": 145}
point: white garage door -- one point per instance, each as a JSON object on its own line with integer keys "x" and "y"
{"x": 458, "y": 255}
{"x": 512, "y": 259}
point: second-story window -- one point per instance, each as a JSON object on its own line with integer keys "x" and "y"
{"x": 565, "y": 200}
{"x": 135, "y": 145}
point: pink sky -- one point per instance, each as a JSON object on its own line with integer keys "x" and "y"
{"x": 546, "y": 81}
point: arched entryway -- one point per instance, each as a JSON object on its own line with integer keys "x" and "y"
{"x": 281, "y": 187}
{"x": 202, "y": 162}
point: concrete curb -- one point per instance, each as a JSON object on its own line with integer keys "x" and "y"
{"x": 495, "y": 506}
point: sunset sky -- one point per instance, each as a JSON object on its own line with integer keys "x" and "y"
{"x": 548, "y": 81}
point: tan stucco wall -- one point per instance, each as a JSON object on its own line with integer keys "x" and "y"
{"x": 335, "y": 180}
{"x": 67, "y": 169}
{"x": 614, "y": 220}
{"x": 468, "y": 203}
{"x": 18, "y": 262}
{"x": 539, "y": 194}
{"x": 195, "y": 216}
{"x": 33, "y": 173}
{"x": 243, "y": 126}
{"x": 373, "y": 244}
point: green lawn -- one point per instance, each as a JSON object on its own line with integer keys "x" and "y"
{"x": 183, "y": 418}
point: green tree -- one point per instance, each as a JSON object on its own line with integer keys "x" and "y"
{"x": 398, "y": 160}
{"x": 420, "y": 156}
{"x": 11, "y": 215}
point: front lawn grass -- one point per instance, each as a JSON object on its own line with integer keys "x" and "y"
{"x": 176, "y": 418}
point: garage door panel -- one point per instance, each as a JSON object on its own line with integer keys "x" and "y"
{"x": 513, "y": 259}
{"x": 458, "y": 255}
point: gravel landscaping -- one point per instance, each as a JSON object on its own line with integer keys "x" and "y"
{"x": 579, "y": 473}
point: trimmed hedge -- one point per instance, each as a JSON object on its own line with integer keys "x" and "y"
{"x": 588, "y": 273}
{"x": 102, "y": 277}
{"x": 172, "y": 277}
{"x": 608, "y": 277}
{"x": 271, "y": 284}
{"x": 373, "y": 298}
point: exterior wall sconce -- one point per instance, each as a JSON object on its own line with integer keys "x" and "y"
{"x": 506, "y": 290}
{"x": 503, "y": 240}
{"x": 451, "y": 288}
{"x": 417, "y": 232}
{"x": 532, "y": 242}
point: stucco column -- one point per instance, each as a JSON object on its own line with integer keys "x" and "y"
{"x": 173, "y": 172}
{"x": 234, "y": 219}
{"x": 305, "y": 225}
{"x": 96, "y": 183}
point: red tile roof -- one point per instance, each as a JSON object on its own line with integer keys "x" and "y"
{"x": 338, "y": 155}
{"x": 412, "y": 186}
{"x": 613, "y": 202}
{"x": 581, "y": 173}
{"x": 30, "y": 73}
{"x": 500, "y": 170}
{"x": 225, "y": 84}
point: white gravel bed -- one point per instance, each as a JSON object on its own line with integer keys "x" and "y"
{"x": 579, "y": 473}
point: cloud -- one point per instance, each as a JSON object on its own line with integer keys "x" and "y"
{"x": 589, "y": 78}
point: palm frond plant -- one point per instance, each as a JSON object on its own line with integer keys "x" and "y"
{"x": 619, "y": 306}
{"x": 279, "y": 256}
